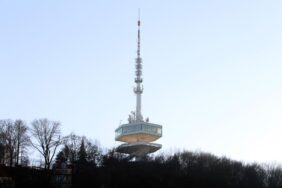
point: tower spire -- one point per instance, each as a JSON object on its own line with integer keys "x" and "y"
{"x": 138, "y": 43}
{"x": 138, "y": 90}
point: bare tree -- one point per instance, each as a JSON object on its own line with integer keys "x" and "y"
{"x": 47, "y": 138}
{"x": 2, "y": 144}
{"x": 72, "y": 144}
{"x": 8, "y": 139}
{"x": 94, "y": 152}
{"x": 22, "y": 139}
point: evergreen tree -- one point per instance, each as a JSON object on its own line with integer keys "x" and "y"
{"x": 82, "y": 152}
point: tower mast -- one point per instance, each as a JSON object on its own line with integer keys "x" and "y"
{"x": 138, "y": 90}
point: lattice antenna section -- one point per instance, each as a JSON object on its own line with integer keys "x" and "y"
{"x": 138, "y": 90}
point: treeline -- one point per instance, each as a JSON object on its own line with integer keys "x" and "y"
{"x": 92, "y": 167}
{"x": 17, "y": 140}
{"x": 186, "y": 169}
{"x": 183, "y": 169}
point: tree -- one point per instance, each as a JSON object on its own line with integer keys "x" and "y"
{"x": 94, "y": 153}
{"x": 61, "y": 156}
{"x": 274, "y": 176}
{"x": 2, "y": 153}
{"x": 113, "y": 157}
{"x": 13, "y": 139}
{"x": 47, "y": 138}
{"x": 72, "y": 144}
{"x": 22, "y": 139}
{"x": 82, "y": 152}
{"x": 2, "y": 144}
{"x": 73, "y": 148}
{"x": 8, "y": 139}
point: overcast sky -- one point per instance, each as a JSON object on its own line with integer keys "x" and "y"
{"x": 212, "y": 70}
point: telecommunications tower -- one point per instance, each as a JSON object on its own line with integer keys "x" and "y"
{"x": 138, "y": 134}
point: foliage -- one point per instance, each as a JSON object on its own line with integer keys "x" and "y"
{"x": 92, "y": 168}
{"x": 82, "y": 153}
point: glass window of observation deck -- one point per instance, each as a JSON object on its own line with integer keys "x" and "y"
{"x": 159, "y": 130}
{"x": 118, "y": 132}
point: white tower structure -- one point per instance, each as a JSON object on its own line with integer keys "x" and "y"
{"x": 138, "y": 80}
{"x": 138, "y": 134}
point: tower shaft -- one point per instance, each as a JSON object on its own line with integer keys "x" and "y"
{"x": 138, "y": 90}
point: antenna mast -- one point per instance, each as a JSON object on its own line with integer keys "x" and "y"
{"x": 138, "y": 90}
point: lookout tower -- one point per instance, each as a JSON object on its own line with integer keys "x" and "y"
{"x": 138, "y": 134}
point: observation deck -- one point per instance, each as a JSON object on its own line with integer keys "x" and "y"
{"x": 140, "y": 131}
{"x": 138, "y": 137}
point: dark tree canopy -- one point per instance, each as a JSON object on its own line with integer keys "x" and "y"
{"x": 91, "y": 167}
{"x": 82, "y": 153}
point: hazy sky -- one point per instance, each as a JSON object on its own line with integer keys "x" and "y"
{"x": 212, "y": 70}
